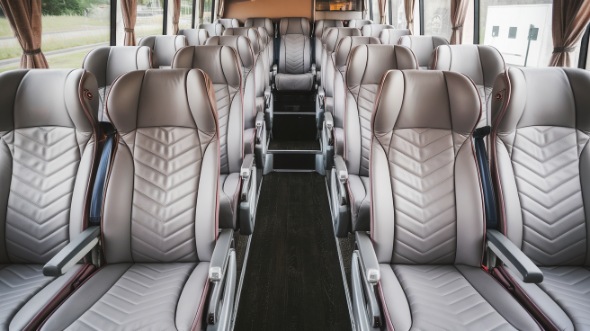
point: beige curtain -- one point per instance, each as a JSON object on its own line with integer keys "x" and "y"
{"x": 221, "y": 8}
{"x": 409, "y": 9}
{"x": 25, "y": 20}
{"x": 129, "y": 11}
{"x": 382, "y": 11}
{"x": 458, "y": 13}
{"x": 175, "y": 16}
{"x": 570, "y": 17}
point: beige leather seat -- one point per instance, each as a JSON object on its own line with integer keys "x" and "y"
{"x": 391, "y": 36}
{"x": 109, "y": 62}
{"x": 163, "y": 250}
{"x": 374, "y": 30}
{"x": 423, "y": 47}
{"x": 228, "y": 22}
{"x": 163, "y": 48}
{"x": 349, "y": 181}
{"x": 195, "y": 37}
{"x": 295, "y": 71}
{"x": 263, "y": 22}
{"x": 540, "y": 166}
{"x": 358, "y": 23}
{"x": 49, "y": 143}
{"x": 318, "y": 31}
{"x": 213, "y": 29}
{"x": 479, "y": 62}
{"x": 424, "y": 253}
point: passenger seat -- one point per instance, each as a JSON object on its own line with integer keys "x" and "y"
{"x": 228, "y": 22}
{"x": 213, "y": 29}
{"x": 391, "y": 36}
{"x": 358, "y": 23}
{"x": 163, "y": 48}
{"x": 423, "y": 47}
{"x": 374, "y": 30}
{"x": 109, "y": 62}
{"x": 318, "y": 32}
{"x": 295, "y": 70}
{"x": 195, "y": 37}
{"x": 263, "y": 22}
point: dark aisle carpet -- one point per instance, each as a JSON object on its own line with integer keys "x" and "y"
{"x": 293, "y": 279}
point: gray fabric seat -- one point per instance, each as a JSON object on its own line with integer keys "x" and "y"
{"x": 163, "y": 48}
{"x": 423, "y": 47}
{"x": 358, "y": 23}
{"x": 428, "y": 223}
{"x": 49, "y": 138}
{"x": 195, "y": 37}
{"x": 213, "y": 29}
{"x": 318, "y": 31}
{"x": 391, "y": 36}
{"x": 294, "y": 69}
{"x": 374, "y": 30}
{"x": 109, "y": 62}
{"x": 480, "y": 63}
{"x": 159, "y": 225}
{"x": 540, "y": 167}
{"x": 228, "y": 22}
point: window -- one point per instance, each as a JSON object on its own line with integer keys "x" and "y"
{"x": 186, "y": 14}
{"x": 206, "y": 14}
{"x": 150, "y": 18}
{"x": 10, "y": 50}
{"x": 375, "y": 15}
{"x": 510, "y": 25}
{"x": 72, "y": 28}
{"x": 437, "y": 18}
{"x": 398, "y": 14}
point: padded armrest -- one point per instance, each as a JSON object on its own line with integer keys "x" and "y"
{"x": 220, "y": 256}
{"x": 341, "y": 169}
{"x": 259, "y": 125}
{"x": 313, "y": 70}
{"x": 369, "y": 261}
{"x": 328, "y": 126}
{"x": 322, "y": 98}
{"x": 267, "y": 97}
{"x": 72, "y": 253}
{"x": 513, "y": 257}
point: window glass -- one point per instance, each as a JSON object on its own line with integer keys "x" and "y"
{"x": 519, "y": 29}
{"x": 186, "y": 14}
{"x": 10, "y": 50}
{"x": 72, "y": 28}
{"x": 206, "y": 18}
{"x": 437, "y": 18}
{"x": 150, "y": 18}
{"x": 376, "y": 17}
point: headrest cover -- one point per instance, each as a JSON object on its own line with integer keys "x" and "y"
{"x": 261, "y": 22}
{"x": 374, "y": 30}
{"x": 453, "y": 102}
{"x": 332, "y": 36}
{"x": 240, "y": 44}
{"x": 295, "y": 25}
{"x": 39, "y": 98}
{"x": 320, "y": 25}
{"x": 250, "y": 33}
{"x": 195, "y": 37}
{"x": 220, "y": 63}
{"x": 163, "y": 48}
{"x": 391, "y": 36}
{"x": 358, "y": 23}
{"x": 422, "y": 46}
{"x": 479, "y": 62}
{"x": 161, "y": 98}
{"x": 368, "y": 63}
{"x": 214, "y": 29}
{"x": 109, "y": 62}
{"x": 346, "y": 45}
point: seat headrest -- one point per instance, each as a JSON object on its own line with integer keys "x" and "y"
{"x": 358, "y": 23}
{"x": 228, "y": 22}
{"x": 242, "y": 46}
{"x": 374, "y": 30}
{"x": 195, "y": 37}
{"x": 320, "y": 25}
{"x": 214, "y": 29}
{"x": 55, "y": 97}
{"x": 163, "y": 48}
{"x": 109, "y": 62}
{"x": 261, "y": 22}
{"x": 265, "y": 38}
{"x": 368, "y": 63}
{"x": 391, "y": 36}
{"x": 453, "y": 102}
{"x": 479, "y": 62}
{"x": 220, "y": 63}
{"x": 346, "y": 45}
{"x": 524, "y": 97}
{"x": 332, "y": 36}
{"x": 163, "y": 98}
{"x": 250, "y": 33}
{"x": 422, "y": 46}
{"x": 294, "y": 25}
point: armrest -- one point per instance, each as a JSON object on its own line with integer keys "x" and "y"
{"x": 322, "y": 98}
{"x": 341, "y": 170}
{"x": 329, "y": 126}
{"x": 245, "y": 174}
{"x": 259, "y": 125}
{"x": 313, "y": 70}
{"x": 219, "y": 259}
{"x": 275, "y": 70}
{"x": 369, "y": 261}
{"x": 500, "y": 246}
{"x": 267, "y": 97}
{"x": 73, "y": 252}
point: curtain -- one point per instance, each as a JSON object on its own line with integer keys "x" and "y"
{"x": 129, "y": 11}
{"x": 175, "y": 16}
{"x": 458, "y": 13}
{"x": 569, "y": 20}
{"x": 221, "y": 8}
{"x": 25, "y": 20}
{"x": 382, "y": 11}
{"x": 409, "y": 9}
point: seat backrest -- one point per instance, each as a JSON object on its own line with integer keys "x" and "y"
{"x": 423, "y": 47}
{"x": 263, "y": 22}
{"x": 163, "y": 48}
{"x": 479, "y": 62}
{"x": 213, "y": 29}
{"x": 268, "y": 47}
{"x": 228, "y": 22}
{"x": 426, "y": 195}
{"x": 318, "y": 32}
{"x": 49, "y": 145}
{"x": 391, "y": 36}
{"x": 109, "y": 62}
{"x": 195, "y": 37}
{"x": 374, "y": 30}
{"x": 358, "y": 23}
{"x": 295, "y": 47}
{"x": 160, "y": 202}
{"x": 252, "y": 34}
{"x": 540, "y": 135}
{"x": 366, "y": 66}
{"x": 330, "y": 40}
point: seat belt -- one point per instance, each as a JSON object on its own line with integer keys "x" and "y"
{"x": 486, "y": 178}
{"x": 101, "y": 175}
